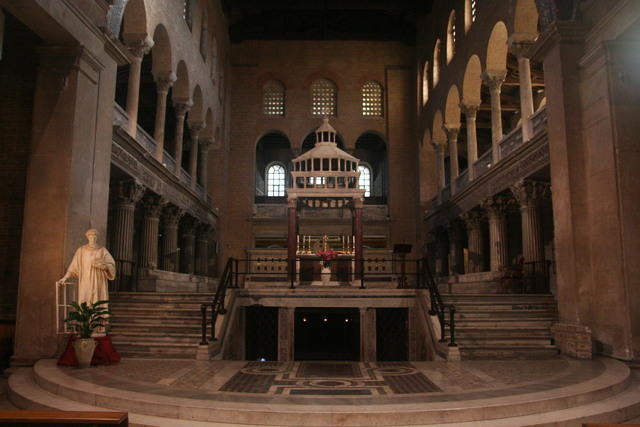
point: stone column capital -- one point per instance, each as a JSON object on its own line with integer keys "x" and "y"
{"x": 127, "y": 191}
{"x": 153, "y": 205}
{"x": 205, "y": 143}
{"x": 164, "y": 80}
{"x": 473, "y": 219}
{"x": 195, "y": 128}
{"x": 494, "y": 79}
{"x": 138, "y": 47}
{"x": 182, "y": 106}
{"x": 171, "y": 215}
{"x": 292, "y": 202}
{"x": 496, "y": 207}
{"x": 358, "y": 202}
{"x": 439, "y": 146}
{"x": 470, "y": 110}
{"x": 203, "y": 230}
{"x": 452, "y": 131}
{"x": 188, "y": 225}
{"x": 454, "y": 229}
{"x": 519, "y": 45}
{"x": 529, "y": 193}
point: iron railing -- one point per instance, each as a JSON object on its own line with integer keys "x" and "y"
{"x": 438, "y": 307}
{"x": 217, "y": 305}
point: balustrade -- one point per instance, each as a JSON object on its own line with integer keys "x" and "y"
{"x": 484, "y": 163}
{"x": 512, "y": 141}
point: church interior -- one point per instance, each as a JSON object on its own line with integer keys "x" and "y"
{"x": 321, "y": 213}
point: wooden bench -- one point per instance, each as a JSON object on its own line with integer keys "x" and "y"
{"x": 57, "y": 418}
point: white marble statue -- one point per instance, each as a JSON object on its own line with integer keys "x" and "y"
{"x": 92, "y": 265}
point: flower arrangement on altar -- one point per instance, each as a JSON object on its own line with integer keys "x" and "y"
{"x": 327, "y": 256}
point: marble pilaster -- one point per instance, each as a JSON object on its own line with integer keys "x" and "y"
{"x": 181, "y": 108}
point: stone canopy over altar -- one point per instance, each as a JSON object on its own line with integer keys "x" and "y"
{"x": 325, "y": 177}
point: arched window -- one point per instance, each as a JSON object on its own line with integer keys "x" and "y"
{"x": 364, "y": 181}
{"x": 275, "y": 180}
{"x": 470, "y": 14}
{"x": 323, "y": 98}
{"x": 273, "y": 98}
{"x": 436, "y": 63}
{"x": 188, "y": 8}
{"x": 425, "y": 83}
{"x": 372, "y": 99}
{"x": 451, "y": 36}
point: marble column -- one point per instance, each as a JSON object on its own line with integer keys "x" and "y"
{"x": 520, "y": 49}
{"x": 529, "y": 194}
{"x": 203, "y": 160}
{"x": 496, "y": 208}
{"x": 470, "y": 111}
{"x": 440, "y": 147}
{"x": 368, "y": 351}
{"x": 181, "y": 108}
{"x": 202, "y": 249}
{"x": 452, "y": 141}
{"x": 456, "y": 251}
{"x": 494, "y": 79}
{"x": 292, "y": 235}
{"x": 286, "y": 334}
{"x": 125, "y": 194}
{"x": 164, "y": 81}
{"x": 357, "y": 231}
{"x": 473, "y": 222}
{"x": 138, "y": 50}
{"x": 170, "y": 219}
{"x": 195, "y": 129}
{"x": 187, "y": 246}
{"x": 153, "y": 206}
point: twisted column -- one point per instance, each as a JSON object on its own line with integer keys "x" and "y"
{"x": 153, "y": 206}
{"x": 170, "y": 219}
{"x": 452, "y": 140}
{"x": 202, "y": 249}
{"x": 164, "y": 81}
{"x": 181, "y": 108}
{"x": 520, "y": 49}
{"x": 137, "y": 49}
{"x": 529, "y": 194}
{"x": 494, "y": 79}
{"x": 125, "y": 195}
{"x": 470, "y": 111}
{"x": 473, "y": 222}
{"x": 496, "y": 208}
{"x": 187, "y": 248}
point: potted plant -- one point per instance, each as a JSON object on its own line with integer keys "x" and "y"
{"x": 327, "y": 256}
{"x": 85, "y": 319}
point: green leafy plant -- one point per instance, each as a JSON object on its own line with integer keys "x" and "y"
{"x": 86, "y": 318}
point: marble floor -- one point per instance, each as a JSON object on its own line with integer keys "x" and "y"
{"x": 344, "y": 382}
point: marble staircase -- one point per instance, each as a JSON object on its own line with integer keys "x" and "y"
{"x": 504, "y": 326}
{"x": 156, "y": 325}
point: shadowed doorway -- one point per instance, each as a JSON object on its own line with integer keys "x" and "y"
{"x": 261, "y": 333}
{"x": 327, "y": 334}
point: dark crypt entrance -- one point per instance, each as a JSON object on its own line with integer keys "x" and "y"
{"x": 327, "y": 334}
{"x": 261, "y": 333}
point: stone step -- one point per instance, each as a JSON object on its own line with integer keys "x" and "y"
{"x": 157, "y": 320}
{"x": 511, "y": 322}
{"x": 499, "y": 305}
{"x": 479, "y": 351}
{"x": 159, "y": 339}
{"x": 155, "y": 312}
{"x": 505, "y": 314}
{"x": 463, "y": 332}
{"x": 152, "y": 327}
{"x": 498, "y": 298}
{"x": 465, "y": 341}
{"x": 155, "y": 305}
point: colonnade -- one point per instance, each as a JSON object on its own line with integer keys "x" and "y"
{"x": 183, "y": 239}
{"x": 199, "y": 145}
{"x": 527, "y": 195}
{"x": 494, "y": 80}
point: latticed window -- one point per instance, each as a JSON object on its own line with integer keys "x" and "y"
{"x": 323, "y": 98}
{"x": 364, "y": 181}
{"x": 275, "y": 181}
{"x": 372, "y": 99}
{"x": 451, "y": 36}
{"x": 474, "y": 10}
{"x": 425, "y": 83}
{"x": 273, "y": 98}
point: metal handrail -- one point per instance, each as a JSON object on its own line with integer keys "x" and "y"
{"x": 217, "y": 305}
{"x": 438, "y": 307}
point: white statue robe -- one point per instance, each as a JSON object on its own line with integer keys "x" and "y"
{"x": 92, "y": 281}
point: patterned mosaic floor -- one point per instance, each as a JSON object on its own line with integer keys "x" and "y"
{"x": 339, "y": 382}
